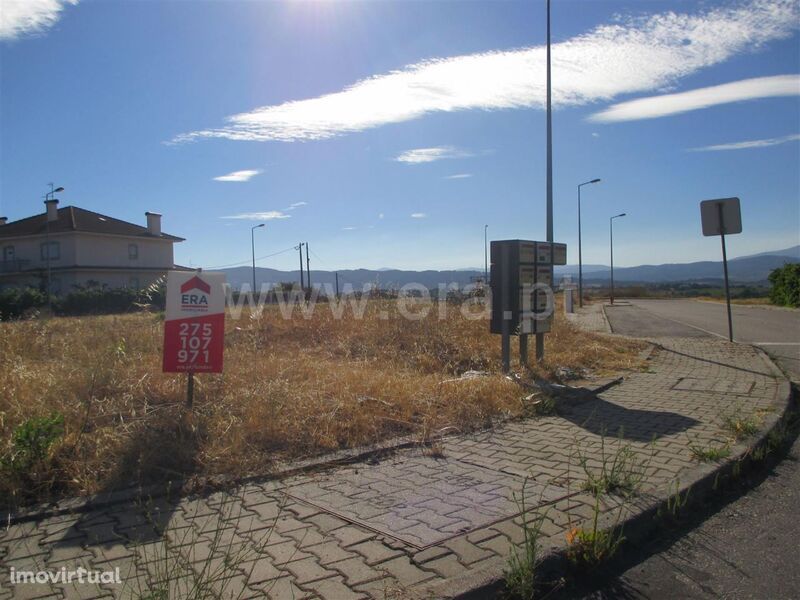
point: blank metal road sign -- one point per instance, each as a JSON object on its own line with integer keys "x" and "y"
{"x": 721, "y": 217}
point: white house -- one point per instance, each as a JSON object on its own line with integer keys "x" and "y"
{"x": 80, "y": 247}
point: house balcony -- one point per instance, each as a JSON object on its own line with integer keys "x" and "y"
{"x": 14, "y": 266}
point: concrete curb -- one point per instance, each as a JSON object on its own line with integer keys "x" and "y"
{"x": 701, "y": 483}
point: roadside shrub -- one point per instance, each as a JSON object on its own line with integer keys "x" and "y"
{"x": 785, "y": 282}
{"x": 32, "y": 439}
{"x": 14, "y": 302}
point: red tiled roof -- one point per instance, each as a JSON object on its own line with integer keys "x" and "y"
{"x": 72, "y": 218}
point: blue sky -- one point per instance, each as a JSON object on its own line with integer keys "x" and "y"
{"x": 386, "y": 134}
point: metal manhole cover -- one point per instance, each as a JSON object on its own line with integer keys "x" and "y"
{"x": 422, "y": 501}
{"x": 719, "y": 386}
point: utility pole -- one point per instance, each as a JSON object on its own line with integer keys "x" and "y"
{"x": 308, "y": 268}
{"x": 485, "y": 255}
{"x": 302, "y": 281}
{"x": 337, "y": 284}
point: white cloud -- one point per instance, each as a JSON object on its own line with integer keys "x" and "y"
{"x": 426, "y": 155}
{"x": 23, "y": 17}
{"x": 380, "y": 216}
{"x": 245, "y": 175}
{"x": 595, "y": 134}
{"x": 672, "y": 104}
{"x": 418, "y": 215}
{"x": 260, "y": 216}
{"x": 749, "y": 144}
{"x": 459, "y": 176}
{"x": 628, "y": 56}
{"x": 295, "y": 205}
{"x": 348, "y": 228}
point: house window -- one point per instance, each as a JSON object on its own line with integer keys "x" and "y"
{"x": 54, "y": 252}
{"x": 133, "y": 251}
{"x": 8, "y": 253}
{"x": 133, "y": 283}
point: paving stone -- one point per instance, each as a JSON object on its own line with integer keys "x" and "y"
{"x": 283, "y": 588}
{"x": 285, "y": 552}
{"x": 467, "y": 552}
{"x": 374, "y": 552}
{"x": 261, "y": 570}
{"x": 350, "y": 535}
{"x": 446, "y": 566}
{"x": 356, "y": 571}
{"x": 307, "y": 569}
{"x": 334, "y": 589}
{"x": 328, "y": 552}
{"x": 326, "y": 522}
{"x": 404, "y": 572}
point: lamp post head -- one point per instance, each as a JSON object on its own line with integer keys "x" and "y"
{"x": 257, "y": 226}
{"x": 595, "y": 181}
{"x": 58, "y": 189}
{"x": 619, "y": 215}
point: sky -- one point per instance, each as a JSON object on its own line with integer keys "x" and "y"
{"x": 388, "y": 134}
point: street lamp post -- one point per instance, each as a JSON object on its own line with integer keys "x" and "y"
{"x": 523, "y": 348}
{"x": 47, "y": 197}
{"x": 580, "y": 257}
{"x": 485, "y": 255}
{"x": 611, "y": 231}
{"x": 253, "y": 246}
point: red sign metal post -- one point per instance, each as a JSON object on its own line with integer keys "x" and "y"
{"x": 194, "y": 327}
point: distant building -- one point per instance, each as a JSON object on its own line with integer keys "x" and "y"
{"x": 84, "y": 248}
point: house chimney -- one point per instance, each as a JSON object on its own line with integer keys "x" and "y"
{"x": 153, "y": 223}
{"x": 52, "y": 210}
{"x": 3, "y": 220}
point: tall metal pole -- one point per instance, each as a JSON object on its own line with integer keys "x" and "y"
{"x": 253, "y": 247}
{"x": 337, "y": 284}
{"x": 725, "y": 267}
{"x": 302, "y": 281}
{"x": 485, "y": 255}
{"x": 540, "y": 336}
{"x": 580, "y": 256}
{"x": 308, "y": 268}
{"x": 611, "y": 232}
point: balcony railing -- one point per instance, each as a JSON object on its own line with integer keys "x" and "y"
{"x": 13, "y": 266}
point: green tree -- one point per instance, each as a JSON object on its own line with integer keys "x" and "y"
{"x": 785, "y": 282}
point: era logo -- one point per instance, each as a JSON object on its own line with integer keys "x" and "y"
{"x": 194, "y": 300}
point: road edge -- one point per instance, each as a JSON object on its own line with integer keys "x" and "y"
{"x": 701, "y": 484}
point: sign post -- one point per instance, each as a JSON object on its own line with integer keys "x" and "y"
{"x": 722, "y": 217}
{"x": 194, "y": 326}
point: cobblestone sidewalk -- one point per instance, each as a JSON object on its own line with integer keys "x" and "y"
{"x": 416, "y": 522}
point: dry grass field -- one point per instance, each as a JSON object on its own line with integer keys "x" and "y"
{"x": 291, "y": 388}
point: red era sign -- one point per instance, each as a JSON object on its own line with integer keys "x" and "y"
{"x": 194, "y": 328}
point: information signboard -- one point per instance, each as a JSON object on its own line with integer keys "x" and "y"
{"x": 194, "y": 328}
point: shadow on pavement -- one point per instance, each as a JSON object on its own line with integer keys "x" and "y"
{"x": 157, "y": 454}
{"x": 602, "y": 418}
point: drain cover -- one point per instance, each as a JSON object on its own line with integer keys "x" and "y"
{"x": 719, "y": 386}
{"x": 420, "y": 500}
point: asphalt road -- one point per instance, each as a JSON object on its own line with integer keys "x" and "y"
{"x": 745, "y": 543}
{"x": 744, "y": 546}
{"x": 775, "y": 330}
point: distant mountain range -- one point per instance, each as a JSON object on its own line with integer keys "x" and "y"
{"x": 754, "y": 268}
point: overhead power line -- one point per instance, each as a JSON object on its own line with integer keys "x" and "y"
{"x": 247, "y": 262}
